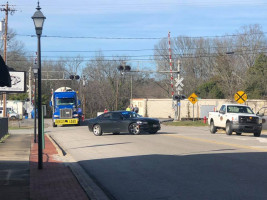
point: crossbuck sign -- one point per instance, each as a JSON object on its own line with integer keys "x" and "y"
{"x": 179, "y": 85}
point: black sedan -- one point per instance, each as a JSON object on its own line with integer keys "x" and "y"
{"x": 123, "y": 121}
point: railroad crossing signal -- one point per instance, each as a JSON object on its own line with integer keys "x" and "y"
{"x": 193, "y": 98}
{"x": 179, "y": 82}
{"x": 179, "y": 85}
{"x": 241, "y": 97}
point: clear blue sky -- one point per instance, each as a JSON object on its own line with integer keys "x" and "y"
{"x": 129, "y": 19}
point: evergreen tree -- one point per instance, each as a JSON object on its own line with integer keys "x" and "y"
{"x": 256, "y": 83}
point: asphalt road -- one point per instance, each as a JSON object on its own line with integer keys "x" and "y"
{"x": 181, "y": 163}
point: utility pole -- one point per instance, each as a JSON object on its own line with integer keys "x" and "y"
{"x": 83, "y": 98}
{"x": 131, "y": 88}
{"x": 30, "y": 78}
{"x": 171, "y": 73}
{"x": 6, "y": 9}
{"x": 30, "y": 84}
{"x": 178, "y": 106}
{"x": 178, "y": 96}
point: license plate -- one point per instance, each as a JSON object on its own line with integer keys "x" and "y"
{"x": 66, "y": 121}
{"x": 155, "y": 125}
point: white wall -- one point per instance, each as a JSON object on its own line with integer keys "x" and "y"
{"x": 162, "y": 108}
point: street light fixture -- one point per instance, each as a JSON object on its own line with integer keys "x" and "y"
{"x": 38, "y": 19}
{"x": 35, "y": 72}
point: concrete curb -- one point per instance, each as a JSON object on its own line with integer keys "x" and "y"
{"x": 93, "y": 191}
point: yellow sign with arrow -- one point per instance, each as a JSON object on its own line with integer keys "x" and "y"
{"x": 193, "y": 98}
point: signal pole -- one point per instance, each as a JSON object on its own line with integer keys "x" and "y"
{"x": 6, "y": 10}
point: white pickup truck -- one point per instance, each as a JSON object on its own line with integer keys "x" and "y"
{"x": 235, "y": 118}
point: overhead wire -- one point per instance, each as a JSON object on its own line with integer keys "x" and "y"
{"x": 135, "y": 56}
{"x": 136, "y": 38}
{"x": 160, "y": 4}
{"x": 153, "y": 59}
{"x": 136, "y": 50}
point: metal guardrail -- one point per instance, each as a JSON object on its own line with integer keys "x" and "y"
{"x": 3, "y": 127}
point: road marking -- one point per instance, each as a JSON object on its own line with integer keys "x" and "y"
{"x": 221, "y": 143}
{"x": 263, "y": 140}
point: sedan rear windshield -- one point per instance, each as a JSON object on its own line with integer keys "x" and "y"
{"x": 239, "y": 109}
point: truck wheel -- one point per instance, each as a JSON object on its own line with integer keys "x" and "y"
{"x": 54, "y": 124}
{"x": 213, "y": 129}
{"x": 238, "y": 133}
{"x": 228, "y": 129}
{"x": 97, "y": 130}
{"x": 257, "y": 133}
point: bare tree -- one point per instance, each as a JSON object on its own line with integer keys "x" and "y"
{"x": 225, "y": 58}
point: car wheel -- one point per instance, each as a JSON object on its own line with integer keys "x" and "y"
{"x": 228, "y": 129}
{"x": 213, "y": 129}
{"x": 238, "y": 133}
{"x": 97, "y": 130}
{"x": 152, "y": 132}
{"x": 257, "y": 133}
{"x": 54, "y": 124}
{"x": 134, "y": 129}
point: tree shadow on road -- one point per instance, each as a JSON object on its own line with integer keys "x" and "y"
{"x": 208, "y": 176}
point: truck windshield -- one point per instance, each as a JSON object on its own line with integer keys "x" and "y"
{"x": 239, "y": 109}
{"x": 65, "y": 101}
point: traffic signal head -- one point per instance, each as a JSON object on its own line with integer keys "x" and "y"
{"x": 179, "y": 97}
{"x": 127, "y": 68}
{"x": 175, "y": 97}
{"x": 124, "y": 68}
{"x": 182, "y": 97}
{"x": 74, "y": 77}
{"x": 120, "y": 68}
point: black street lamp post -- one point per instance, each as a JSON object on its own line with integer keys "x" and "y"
{"x": 38, "y": 19}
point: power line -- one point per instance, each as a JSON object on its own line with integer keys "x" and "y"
{"x": 137, "y": 50}
{"x": 93, "y": 37}
{"x": 153, "y": 59}
{"x": 136, "y": 38}
{"x": 85, "y": 51}
{"x": 135, "y": 56}
{"x": 160, "y": 4}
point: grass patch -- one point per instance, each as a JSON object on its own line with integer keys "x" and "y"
{"x": 185, "y": 123}
{"x": 4, "y": 138}
{"x": 16, "y": 127}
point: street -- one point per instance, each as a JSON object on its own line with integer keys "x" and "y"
{"x": 176, "y": 163}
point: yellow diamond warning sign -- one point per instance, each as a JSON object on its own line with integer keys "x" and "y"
{"x": 240, "y": 97}
{"x": 193, "y": 98}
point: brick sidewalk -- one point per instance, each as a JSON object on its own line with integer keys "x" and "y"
{"x": 55, "y": 180}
